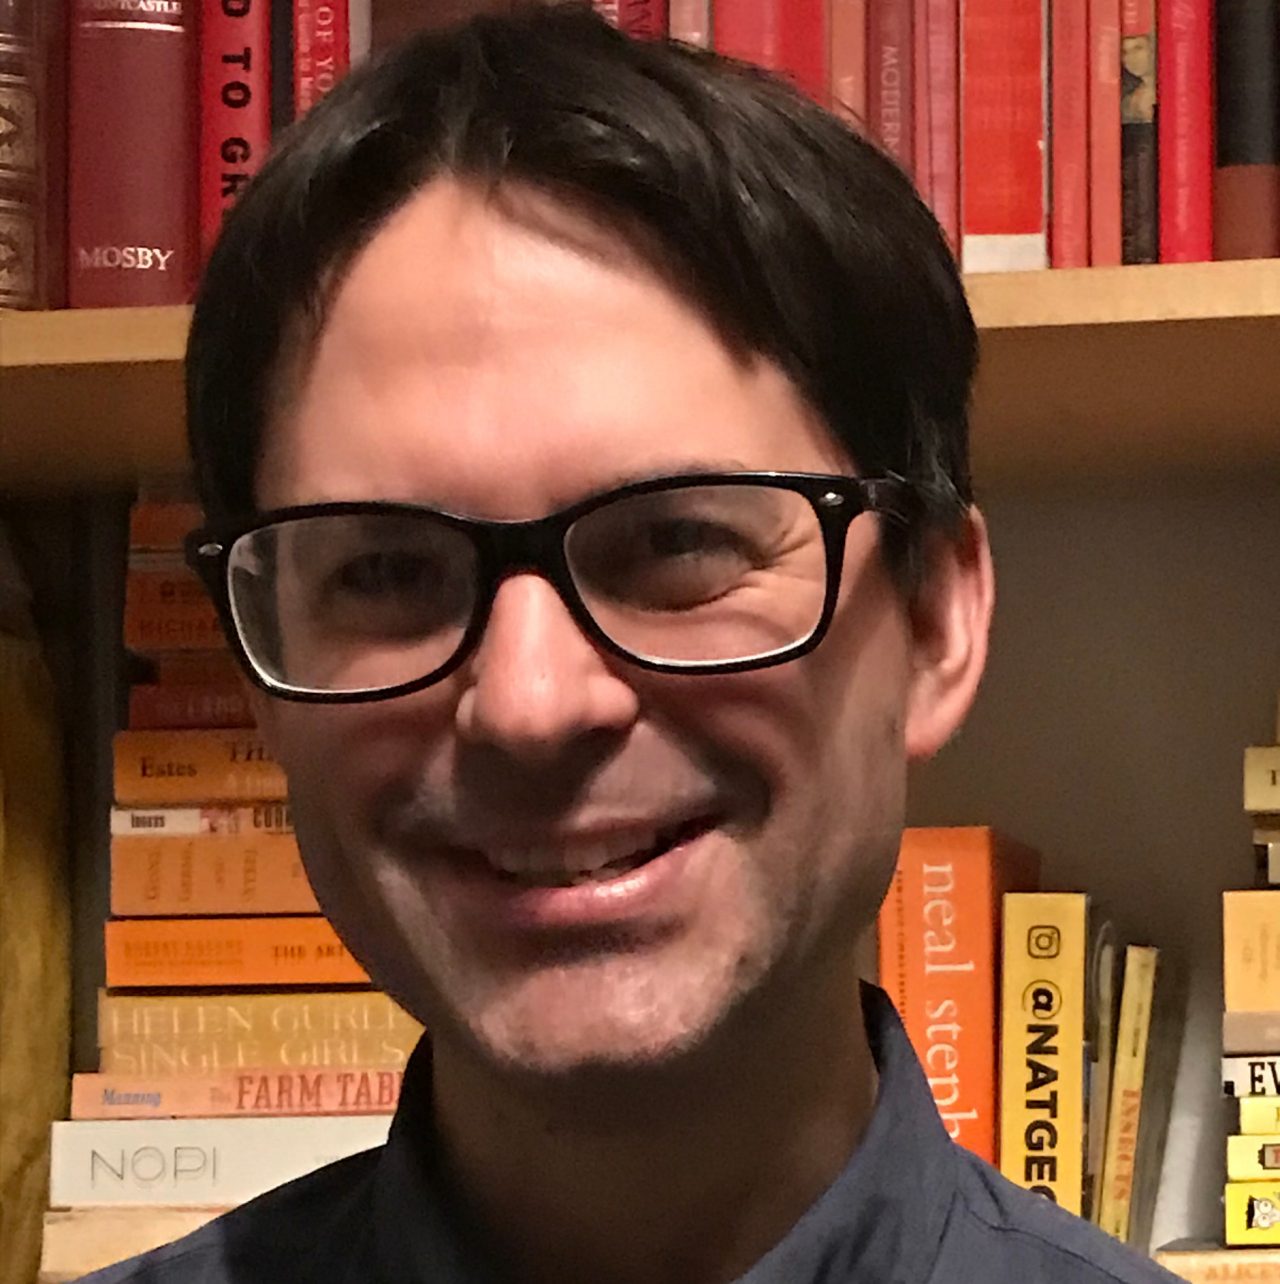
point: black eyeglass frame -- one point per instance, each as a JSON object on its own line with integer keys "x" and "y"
{"x": 506, "y": 548}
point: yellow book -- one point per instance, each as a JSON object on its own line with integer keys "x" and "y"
{"x": 1259, "y": 1115}
{"x": 1251, "y": 950}
{"x": 1212, "y": 1265}
{"x": 1124, "y": 1119}
{"x": 1042, "y": 1044}
{"x": 1252, "y": 1210}
{"x": 1253, "y": 1158}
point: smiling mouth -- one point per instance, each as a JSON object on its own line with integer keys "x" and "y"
{"x": 598, "y": 861}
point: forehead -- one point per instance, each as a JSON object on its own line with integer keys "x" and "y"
{"x": 503, "y": 355}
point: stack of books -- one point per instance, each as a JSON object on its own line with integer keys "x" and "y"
{"x": 232, "y": 1015}
{"x": 1049, "y": 1046}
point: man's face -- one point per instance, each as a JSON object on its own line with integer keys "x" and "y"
{"x": 475, "y": 363}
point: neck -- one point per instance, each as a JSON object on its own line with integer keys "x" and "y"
{"x": 691, "y": 1173}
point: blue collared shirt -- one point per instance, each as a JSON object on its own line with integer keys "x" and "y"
{"x": 910, "y": 1207}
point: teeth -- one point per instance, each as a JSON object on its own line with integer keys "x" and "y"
{"x": 573, "y": 860}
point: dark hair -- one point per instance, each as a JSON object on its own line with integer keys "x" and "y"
{"x": 798, "y": 238}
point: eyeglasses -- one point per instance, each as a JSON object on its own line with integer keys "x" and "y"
{"x": 705, "y": 573}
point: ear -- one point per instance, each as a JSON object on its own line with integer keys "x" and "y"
{"x": 950, "y": 619}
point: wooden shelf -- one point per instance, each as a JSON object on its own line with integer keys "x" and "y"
{"x": 1104, "y": 372}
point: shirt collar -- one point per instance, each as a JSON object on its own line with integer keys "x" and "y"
{"x": 880, "y": 1222}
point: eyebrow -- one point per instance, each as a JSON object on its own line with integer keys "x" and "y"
{"x": 674, "y": 468}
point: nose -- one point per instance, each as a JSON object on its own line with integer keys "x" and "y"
{"x": 537, "y": 684}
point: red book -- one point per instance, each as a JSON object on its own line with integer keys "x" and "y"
{"x": 1184, "y": 48}
{"x": 235, "y": 104}
{"x": 321, "y": 50}
{"x": 1002, "y": 114}
{"x": 942, "y": 104}
{"x": 890, "y": 79}
{"x": 647, "y": 18}
{"x": 1069, "y": 113}
{"x": 921, "y": 167}
{"x": 786, "y": 36}
{"x": 849, "y": 60}
{"x": 1104, "y": 133}
{"x": 132, "y": 132}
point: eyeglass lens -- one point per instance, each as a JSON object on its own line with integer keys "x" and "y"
{"x": 362, "y": 602}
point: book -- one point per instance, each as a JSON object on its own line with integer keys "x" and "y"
{"x": 891, "y": 79}
{"x": 848, "y": 61}
{"x": 789, "y": 37}
{"x": 1251, "y": 1076}
{"x": 1246, "y": 177}
{"x": 1259, "y": 1115}
{"x": 236, "y": 1093}
{"x": 169, "y": 1034}
{"x": 235, "y": 106}
{"x": 1250, "y": 1032}
{"x": 690, "y": 21}
{"x": 1251, "y": 950}
{"x": 206, "y": 861}
{"x": 1252, "y": 1212}
{"x": 227, "y": 952}
{"x": 1102, "y": 1012}
{"x": 1003, "y": 145}
{"x": 938, "y": 123}
{"x": 79, "y": 1240}
{"x": 1184, "y": 126}
{"x": 1214, "y": 1265}
{"x": 1069, "y": 127}
{"x": 1125, "y": 1099}
{"x": 321, "y": 49}
{"x": 132, "y": 111}
{"x": 642, "y": 18}
{"x": 196, "y": 1163}
{"x": 1105, "y": 235}
{"x": 1139, "y": 202}
{"x": 1253, "y": 1157}
{"x": 1266, "y": 850}
{"x": 166, "y": 608}
{"x": 167, "y": 768}
{"x": 156, "y": 706}
{"x": 158, "y": 523}
{"x": 1262, "y": 779}
{"x": 1042, "y": 1039}
{"x": 939, "y": 960}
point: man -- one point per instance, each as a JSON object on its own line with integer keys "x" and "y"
{"x": 582, "y": 427}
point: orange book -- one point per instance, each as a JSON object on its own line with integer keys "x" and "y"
{"x": 166, "y": 608}
{"x": 213, "y": 668}
{"x": 162, "y": 523}
{"x": 161, "y": 768}
{"x": 1104, "y": 133}
{"x": 207, "y": 860}
{"x": 237, "y": 1093}
{"x": 939, "y": 934}
{"x": 227, "y": 952}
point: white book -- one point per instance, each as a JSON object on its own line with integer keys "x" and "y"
{"x": 197, "y": 1163}
{"x": 1251, "y": 1076}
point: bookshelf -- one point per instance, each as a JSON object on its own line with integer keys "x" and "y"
{"x": 1181, "y": 356}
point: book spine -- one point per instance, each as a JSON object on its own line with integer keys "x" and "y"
{"x": 1254, "y": 1158}
{"x": 1250, "y": 1033}
{"x": 235, "y": 111}
{"x": 1042, "y": 1120}
{"x": 1252, "y": 1212}
{"x": 804, "y": 37}
{"x": 24, "y": 162}
{"x": 1259, "y": 1115}
{"x": 849, "y": 61}
{"x": 921, "y": 162}
{"x": 1105, "y": 234}
{"x": 227, "y": 952}
{"x": 1250, "y": 951}
{"x": 282, "y": 60}
{"x": 1256, "y": 1076}
{"x": 160, "y": 525}
{"x": 1266, "y": 858}
{"x": 747, "y": 29}
{"x": 942, "y": 106}
{"x": 153, "y": 707}
{"x": 132, "y": 133}
{"x": 196, "y": 1162}
{"x": 167, "y": 608}
{"x": 235, "y": 1094}
{"x": 690, "y": 21}
{"x": 1002, "y": 50}
{"x": 214, "y": 667}
{"x": 1221, "y": 1265}
{"x": 1184, "y": 73}
{"x": 939, "y": 961}
{"x": 1139, "y": 204}
{"x": 1246, "y": 181}
{"x": 161, "y": 768}
{"x": 1069, "y": 110}
{"x": 1125, "y": 1102}
{"x": 209, "y": 875}
{"x": 891, "y": 79}
{"x": 641, "y": 18}
{"x": 1262, "y": 779}
{"x": 78, "y": 1241}
{"x": 219, "y": 823}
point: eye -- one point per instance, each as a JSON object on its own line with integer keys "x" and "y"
{"x": 376, "y": 574}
